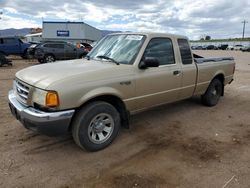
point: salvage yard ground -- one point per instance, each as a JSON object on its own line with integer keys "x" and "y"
{"x": 180, "y": 145}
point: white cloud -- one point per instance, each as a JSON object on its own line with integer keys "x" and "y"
{"x": 18, "y": 23}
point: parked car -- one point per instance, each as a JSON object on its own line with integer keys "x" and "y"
{"x": 124, "y": 74}
{"x": 204, "y": 47}
{"x": 211, "y": 47}
{"x": 246, "y": 49}
{"x": 13, "y": 46}
{"x": 52, "y": 51}
{"x": 238, "y": 47}
{"x": 230, "y": 47}
{"x": 223, "y": 46}
{"x": 199, "y": 48}
{"x": 193, "y": 47}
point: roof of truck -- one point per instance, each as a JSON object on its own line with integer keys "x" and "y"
{"x": 152, "y": 34}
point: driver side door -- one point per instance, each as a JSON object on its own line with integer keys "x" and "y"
{"x": 158, "y": 85}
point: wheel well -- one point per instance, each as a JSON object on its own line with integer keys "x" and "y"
{"x": 222, "y": 79}
{"x": 116, "y": 102}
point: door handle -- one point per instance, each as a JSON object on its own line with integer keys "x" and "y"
{"x": 177, "y": 72}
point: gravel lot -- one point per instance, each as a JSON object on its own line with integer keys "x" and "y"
{"x": 180, "y": 145}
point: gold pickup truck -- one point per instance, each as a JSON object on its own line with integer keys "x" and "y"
{"x": 124, "y": 74}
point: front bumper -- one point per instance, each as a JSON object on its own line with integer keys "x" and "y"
{"x": 49, "y": 123}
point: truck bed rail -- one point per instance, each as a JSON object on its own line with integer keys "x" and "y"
{"x": 217, "y": 59}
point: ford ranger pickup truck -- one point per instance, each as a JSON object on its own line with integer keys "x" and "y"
{"x": 124, "y": 74}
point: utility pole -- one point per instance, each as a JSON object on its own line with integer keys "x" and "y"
{"x": 244, "y": 26}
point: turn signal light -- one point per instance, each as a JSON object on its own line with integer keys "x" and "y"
{"x": 52, "y": 99}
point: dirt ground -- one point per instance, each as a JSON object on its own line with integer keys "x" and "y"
{"x": 179, "y": 145}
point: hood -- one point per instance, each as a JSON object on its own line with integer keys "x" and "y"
{"x": 42, "y": 76}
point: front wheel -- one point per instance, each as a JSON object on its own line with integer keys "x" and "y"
{"x": 96, "y": 126}
{"x": 213, "y": 93}
{"x": 49, "y": 58}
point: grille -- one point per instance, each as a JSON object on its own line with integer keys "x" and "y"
{"x": 22, "y": 91}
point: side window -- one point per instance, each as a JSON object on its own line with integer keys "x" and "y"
{"x": 186, "y": 55}
{"x": 68, "y": 47}
{"x": 162, "y": 49}
{"x": 59, "y": 46}
{"x": 47, "y": 46}
{"x": 9, "y": 41}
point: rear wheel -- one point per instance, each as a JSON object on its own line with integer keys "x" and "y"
{"x": 96, "y": 126}
{"x": 49, "y": 58}
{"x": 213, "y": 93}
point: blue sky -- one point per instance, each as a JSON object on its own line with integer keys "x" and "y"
{"x": 194, "y": 18}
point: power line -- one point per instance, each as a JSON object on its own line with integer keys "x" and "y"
{"x": 244, "y": 27}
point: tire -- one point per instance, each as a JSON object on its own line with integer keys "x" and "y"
{"x": 213, "y": 93}
{"x": 95, "y": 126}
{"x": 40, "y": 60}
{"x": 49, "y": 58}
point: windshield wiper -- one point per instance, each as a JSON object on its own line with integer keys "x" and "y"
{"x": 108, "y": 58}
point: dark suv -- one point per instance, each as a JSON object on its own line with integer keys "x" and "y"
{"x": 52, "y": 51}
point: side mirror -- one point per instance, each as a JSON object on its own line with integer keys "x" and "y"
{"x": 149, "y": 62}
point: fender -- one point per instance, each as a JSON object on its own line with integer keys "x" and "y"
{"x": 99, "y": 92}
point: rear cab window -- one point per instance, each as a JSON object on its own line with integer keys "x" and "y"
{"x": 162, "y": 49}
{"x": 186, "y": 54}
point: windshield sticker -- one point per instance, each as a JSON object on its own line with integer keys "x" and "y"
{"x": 134, "y": 37}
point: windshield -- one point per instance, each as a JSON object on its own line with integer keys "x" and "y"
{"x": 121, "y": 48}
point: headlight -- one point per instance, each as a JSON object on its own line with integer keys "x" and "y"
{"x": 45, "y": 98}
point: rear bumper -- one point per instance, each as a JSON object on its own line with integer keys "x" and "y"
{"x": 49, "y": 123}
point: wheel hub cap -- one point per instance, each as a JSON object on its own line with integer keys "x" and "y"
{"x": 100, "y": 128}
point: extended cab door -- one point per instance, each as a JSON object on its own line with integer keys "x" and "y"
{"x": 189, "y": 69}
{"x": 159, "y": 85}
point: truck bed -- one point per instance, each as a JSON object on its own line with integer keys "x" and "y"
{"x": 208, "y": 68}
